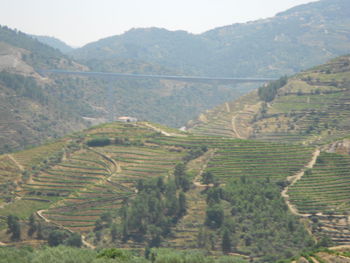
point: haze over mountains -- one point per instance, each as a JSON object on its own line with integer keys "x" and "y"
{"x": 203, "y": 193}
{"x": 263, "y": 177}
{"x": 293, "y": 40}
{"x": 313, "y": 33}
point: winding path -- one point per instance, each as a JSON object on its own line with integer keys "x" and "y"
{"x": 83, "y": 238}
{"x": 162, "y": 131}
{"x": 228, "y": 107}
{"x": 157, "y": 129}
{"x": 116, "y": 169}
{"x": 16, "y": 162}
{"x": 196, "y": 180}
{"x": 234, "y": 127}
{"x": 295, "y": 178}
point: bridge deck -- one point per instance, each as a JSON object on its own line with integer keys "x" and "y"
{"x": 110, "y": 75}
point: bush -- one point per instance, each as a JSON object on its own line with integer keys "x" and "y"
{"x": 98, "y": 142}
{"x": 74, "y": 240}
{"x": 56, "y": 238}
{"x": 268, "y": 93}
{"x": 115, "y": 253}
{"x": 214, "y": 216}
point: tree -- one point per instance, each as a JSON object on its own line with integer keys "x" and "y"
{"x": 14, "y": 227}
{"x": 32, "y": 225}
{"x": 98, "y": 142}
{"x": 107, "y": 218}
{"x": 56, "y": 238}
{"x": 98, "y": 225}
{"x": 179, "y": 173}
{"x": 74, "y": 240}
{"x": 114, "y": 232}
{"x": 226, "y": 242}
{"x": 214, "y": 216}
{"x": 39, "y": 232}
{"x": 208, "y": 178}
{"x": 181, "y": 179}
{"x": 125, "y": 232}
{"x": 160, "y": 184}
{"x": 182, "y": 204}
{"x": 214, "y": 195}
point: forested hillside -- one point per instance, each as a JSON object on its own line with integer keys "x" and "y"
{"x": 312, "y": 33}
{"x": 310, "y": 108}
{"x": 129, "y": 186}
{"x": 55, "y": 43}
{"x": 70, "y": 103}
{"x": 141, "y": 185}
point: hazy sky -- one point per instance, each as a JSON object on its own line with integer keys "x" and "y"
{"x": 78, "y": 22}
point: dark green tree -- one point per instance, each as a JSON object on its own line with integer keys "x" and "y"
{"x": 207, "y": 178}
{"x": 56, "y": 238}
{"x": 114, "y": 232}
{"x": 32, "y": 225}
{"x": 226, "y": 242}
{"x": 182, "y": 204}
{"x": 125, "y": 232}
{"x": 39, "y": 232}
{"x": 214, "y": 216}
{"x": 107, "y": 218}
{"x": 98, "y": 225}
{"x": 74, "y": 240}
{"x": 14, "y": 227}
{"x": 160, "y": 184}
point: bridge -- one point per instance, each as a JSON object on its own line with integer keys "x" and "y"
{"x": 110, "y": 77}
{"x": 201, "y": 79}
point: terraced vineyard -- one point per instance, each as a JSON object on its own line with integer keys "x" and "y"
{"x": 220, "y": 121}
{"x": 312, "y": 108}
{"x": 10, "y": 175}
{"x": 259, "y": 160}
{"x": 91, "y": 181}
{"x": 325, "y": 188}
{"x": 79, "y": 180}
{"x": 34, "y": 156}
{"x": 323, "y": 194}
{"x": 237, "y": 158}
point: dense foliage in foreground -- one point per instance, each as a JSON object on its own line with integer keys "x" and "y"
{"x": 252, "y": 218}
{"x": 74, "y": 255}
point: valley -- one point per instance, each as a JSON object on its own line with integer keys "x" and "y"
{"x": 95, "y": 168}
{"x": 215, "y": 183}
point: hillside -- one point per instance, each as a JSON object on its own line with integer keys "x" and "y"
{"x": 32, "y": 110}
{"x": 69, "y": 103}
{"x": 313, "y": 33}
{"x": 55, "y": 43}
{"x": 140, "y": 185}
{"x": 155, "y": 189}
{"x": 309, "y": 108}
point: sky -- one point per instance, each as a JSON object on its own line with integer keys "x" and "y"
{"x": 78, "y": 22}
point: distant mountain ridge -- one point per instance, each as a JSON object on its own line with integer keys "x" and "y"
{"x": 55, "y": 43}
{"x": 293, "y": 40}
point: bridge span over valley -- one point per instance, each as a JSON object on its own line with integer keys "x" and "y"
{"x": 201, "y": 79}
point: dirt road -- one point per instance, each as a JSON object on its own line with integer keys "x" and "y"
{"x": 295, "y": 178}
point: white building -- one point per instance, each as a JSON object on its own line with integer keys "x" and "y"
{"x": 127, "y": 119}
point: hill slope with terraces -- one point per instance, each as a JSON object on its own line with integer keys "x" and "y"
{"x": 90, "y": 182}
{"x": 138, "y": 185}
{"x": 310, "y": 108}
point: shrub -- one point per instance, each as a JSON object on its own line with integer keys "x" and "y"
{"x": 98, "y": 142}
